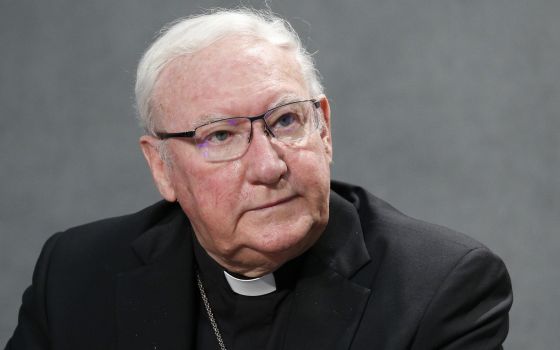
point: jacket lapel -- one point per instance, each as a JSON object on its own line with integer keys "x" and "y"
{"x": 327, "y": 304}
{"x": 156, "y": 303}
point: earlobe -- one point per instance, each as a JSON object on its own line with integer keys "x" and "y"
{"x": 326, "y": 129}
{"x": 158, "y": 167}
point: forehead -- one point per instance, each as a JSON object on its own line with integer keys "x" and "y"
{"x": 234, "y": 76}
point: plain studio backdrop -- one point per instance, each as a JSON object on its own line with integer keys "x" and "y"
{"x": 448, "y": 109}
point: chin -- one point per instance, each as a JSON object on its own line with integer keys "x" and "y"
{"x": 264, "y": 246}
{"x": 271, "y": 251}
{"x": 286, "y": 240}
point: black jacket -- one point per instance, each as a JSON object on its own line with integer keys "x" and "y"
{"x": 376, "y": 279}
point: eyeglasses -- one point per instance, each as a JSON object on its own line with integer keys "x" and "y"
{"x": 229, "y": 138}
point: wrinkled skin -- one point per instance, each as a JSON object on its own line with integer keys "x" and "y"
{"x": 253, "y": 213}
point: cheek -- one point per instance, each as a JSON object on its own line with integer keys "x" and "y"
{"x": 311, "y": 166}
{"x": 210, "y": 188}
{"x": 310, "y": 176}
{"x": 224, "y": 186}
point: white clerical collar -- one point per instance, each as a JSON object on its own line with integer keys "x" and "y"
{"x": 252, "y": 287}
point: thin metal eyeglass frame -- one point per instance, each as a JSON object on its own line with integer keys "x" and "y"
{"x": 191, "y": 133}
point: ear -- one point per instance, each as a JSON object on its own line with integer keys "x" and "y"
{"x": 158, "y": 166}
{"x": 326, "y": 130}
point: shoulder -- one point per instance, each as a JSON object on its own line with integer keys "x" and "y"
{"x": 106, "y": 241}
{"x": 434, "y": 285}
{"x": 420, "y": 252}
{"x": 384, "y": 225}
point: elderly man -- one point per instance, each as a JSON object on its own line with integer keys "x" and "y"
{"x": 254, "y": 247}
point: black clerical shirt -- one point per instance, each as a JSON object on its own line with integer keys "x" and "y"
{"x": 245, "y": 322}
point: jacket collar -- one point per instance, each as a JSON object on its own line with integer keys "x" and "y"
{"x": 327, "y": 304}
{"x": 156, "y": 303}
{"x": 342, "y": 247}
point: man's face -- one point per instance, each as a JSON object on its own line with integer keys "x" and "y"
{"x": 253, "y": 213}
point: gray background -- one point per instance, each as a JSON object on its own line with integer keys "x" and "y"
{"x": 447, "y": 109}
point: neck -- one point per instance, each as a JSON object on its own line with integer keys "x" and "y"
{"x": 257, "y": 268}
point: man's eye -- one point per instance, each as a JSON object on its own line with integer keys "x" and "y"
{"x": 285, "y": 120}
{"x": 218, "y": 136}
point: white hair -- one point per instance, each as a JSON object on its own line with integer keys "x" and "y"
{"x": 189, "y": 35}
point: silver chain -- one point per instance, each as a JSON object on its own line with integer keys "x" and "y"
{"x": 209, "y": 312}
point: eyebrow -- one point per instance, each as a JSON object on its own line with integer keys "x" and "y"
{"x": 209, "y": 118}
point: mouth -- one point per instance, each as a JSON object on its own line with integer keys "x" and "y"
{"x": 274, "y": 203}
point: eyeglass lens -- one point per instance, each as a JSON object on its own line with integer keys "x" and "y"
{"x": 229, "y": 138}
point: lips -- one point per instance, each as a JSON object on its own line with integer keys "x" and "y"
{"x": 274, "y": 203}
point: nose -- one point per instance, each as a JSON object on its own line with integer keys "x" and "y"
{"x": 265, "y": 164}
